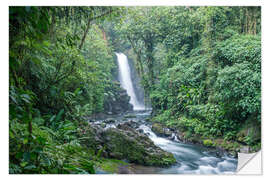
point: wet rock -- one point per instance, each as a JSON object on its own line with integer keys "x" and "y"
{"x": 130, "y": 116}
{"x": 124, "y": 170}
{"x": 131, "y": 124}
{"x": 167, "y": 132}
{"x": 103, "y": 125}
{"x": 148, "y": 119}
{"x": 110, "y": 120}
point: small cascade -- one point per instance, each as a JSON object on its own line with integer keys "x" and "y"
{"x": 126, "y": 82}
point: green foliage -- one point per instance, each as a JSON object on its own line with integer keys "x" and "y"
{"x": 200, "y": 67}
{"x": 208, "y": 142}
{"x": 54, "y": 83}
{"x": 217, "y": 111}
{"x": 47, "y": 150}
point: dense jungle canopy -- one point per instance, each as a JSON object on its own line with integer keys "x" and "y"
{"x": 199, "y": 67}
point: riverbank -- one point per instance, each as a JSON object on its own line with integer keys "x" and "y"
{"x": 172, "y": 128}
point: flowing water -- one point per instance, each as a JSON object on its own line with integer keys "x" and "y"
{"x": 191, "y": 159}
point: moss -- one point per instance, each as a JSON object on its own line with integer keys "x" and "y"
{"x": 110, "y": 165}
{"x": 135, "y": 149}
{"x": 103, "y": 125}
{"x": 208, "y": 142}
{"x": 168, "y": 160}
{"x": 162, "y": 161}
{"x": 157, "y": 128}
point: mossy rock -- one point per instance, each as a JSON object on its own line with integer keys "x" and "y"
{"x": 208, "y": 143}
{"x": 88, "y": 136}
{"x": 130, "y": 116}
{"x": 148, "y": 119}
{"x": 158, "y": 129}
{"x": 251, "y": 131}
{"x": 110, "y": 120}
{"x": 110, "y": 165}
{"x": 103, "y": 125}
{"x": 135, "y": 147}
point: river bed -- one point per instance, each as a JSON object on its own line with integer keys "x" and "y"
{"x": 191, "y": 159}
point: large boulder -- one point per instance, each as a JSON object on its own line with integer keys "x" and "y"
{"x": 126, "y": 143}
{"x": 89, "y": 136}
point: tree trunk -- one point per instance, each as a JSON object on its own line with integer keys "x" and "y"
{"x": 85, "y": 33}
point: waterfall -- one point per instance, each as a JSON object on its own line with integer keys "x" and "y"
{"x": 125, "y": 80}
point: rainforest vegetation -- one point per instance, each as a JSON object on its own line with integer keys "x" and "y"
{"x": 199, "y": 67}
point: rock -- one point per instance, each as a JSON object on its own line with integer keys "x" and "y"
{"x": 167, "y": 132}
{"x": 130, "y": 116}
{"x": 157, "y": 128}
{"x": 117, "y": 100}
{"x": 148, "y": 119}
{"x": 110, "y": 120}
{"x": 130, "y": 124}
{"x": 123, "y": 170}
{"x": 208, "y": 142}
{"x": 250, "y": 130}
{"x": 180, "y": 136}
{"x": 140, "y": 131}
{"x": 90, "y": 137}
{"x": 103, "y": 125}
{"x": 244, "y": 149}
{"x": 126, "y": 142}
{"x": 116, "y": 155}
{"x": 160, "y": 130}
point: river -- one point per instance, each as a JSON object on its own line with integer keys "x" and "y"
{"x": 191, "y": 159}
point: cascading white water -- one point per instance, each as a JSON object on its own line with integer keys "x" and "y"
{"x": 125, "y": 80}
{"x": 192, "y": 159}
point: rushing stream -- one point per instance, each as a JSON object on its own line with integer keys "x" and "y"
{"x": 191, "y": 159}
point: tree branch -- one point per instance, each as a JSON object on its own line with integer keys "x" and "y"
{"x": 88, "y": 25}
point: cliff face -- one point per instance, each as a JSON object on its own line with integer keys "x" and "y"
{"x": 117, "y": 99}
